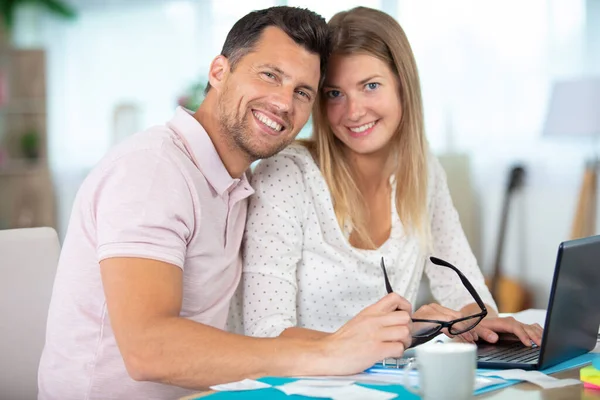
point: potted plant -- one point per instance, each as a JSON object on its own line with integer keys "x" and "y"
{"x": 8, "y": 9}
{"x": 30, "y": 145}
{"x": 193, "y": 97}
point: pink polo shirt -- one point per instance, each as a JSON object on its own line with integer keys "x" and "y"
{"x": 163, "y": 194}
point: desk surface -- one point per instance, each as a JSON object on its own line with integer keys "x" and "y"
{"x": 528, "y": 391}
{"x": 524, "y": 390}
{"x": 521, "y": 391}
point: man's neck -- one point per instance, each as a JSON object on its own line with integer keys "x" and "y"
{"x": 235, "y": 161}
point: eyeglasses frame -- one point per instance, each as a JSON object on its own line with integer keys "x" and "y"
{"x": 443, "y": 324}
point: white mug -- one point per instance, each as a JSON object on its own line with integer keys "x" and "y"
{"x": 446, "y": 371}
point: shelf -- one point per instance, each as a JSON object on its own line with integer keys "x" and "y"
{"x": 21, "y": 166}
{"x": 24, "y": 184}
{"x": 24, "y": 106}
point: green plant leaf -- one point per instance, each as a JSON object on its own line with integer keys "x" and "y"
{"x": 58, "y": 7}
{"x": 9, "y": 7}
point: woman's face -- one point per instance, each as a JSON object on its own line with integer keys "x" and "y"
{"x": 362, "y": 102}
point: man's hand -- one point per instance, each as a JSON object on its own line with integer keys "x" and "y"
{"x": 380, "y": 331}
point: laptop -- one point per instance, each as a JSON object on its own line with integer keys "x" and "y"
{"x": 572, "y": 319}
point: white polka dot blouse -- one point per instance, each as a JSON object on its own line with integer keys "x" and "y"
{"x": 300, "y": 270}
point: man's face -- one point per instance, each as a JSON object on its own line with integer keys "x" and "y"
{"x": 265, "y": 101}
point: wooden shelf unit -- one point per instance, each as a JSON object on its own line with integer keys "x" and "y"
{"x": 26, "y": 191}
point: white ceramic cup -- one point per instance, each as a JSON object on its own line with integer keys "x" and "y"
{"x": 446, "y": 371}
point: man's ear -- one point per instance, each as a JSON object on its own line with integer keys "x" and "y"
{"x": 217, "y": 73}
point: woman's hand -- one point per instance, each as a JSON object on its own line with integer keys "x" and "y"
{"x": 489, "y": 328}
{"x": 437, "y": 312}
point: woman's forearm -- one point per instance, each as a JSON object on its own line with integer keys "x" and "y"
{"x": 473, "y": 308}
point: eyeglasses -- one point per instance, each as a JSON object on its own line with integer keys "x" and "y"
{"x": 429, "y": 328}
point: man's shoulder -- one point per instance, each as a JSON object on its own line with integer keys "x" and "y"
{"x": 150, "y": 154}
{"x": 155, "y": 141}
{"x": 156, "y": 146}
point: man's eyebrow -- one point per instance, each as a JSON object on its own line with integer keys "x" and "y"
{"x": 304, "y": 86}
{"x": 274, "y": 68}
{"x": 308, "y": 88}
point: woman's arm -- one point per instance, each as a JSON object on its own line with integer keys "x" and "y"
{"x": 450, "y": 243}
{"x": 272, "y": 247}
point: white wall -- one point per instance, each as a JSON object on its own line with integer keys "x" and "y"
{"x": 490, "y": 67}
{"x": 592, "y": 38}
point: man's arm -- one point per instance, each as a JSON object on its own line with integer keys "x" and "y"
{"x": 144, "y": 300}
{"x": 304, "y": 333}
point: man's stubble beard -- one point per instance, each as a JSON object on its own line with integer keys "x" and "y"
{"x": 239, "y": 132}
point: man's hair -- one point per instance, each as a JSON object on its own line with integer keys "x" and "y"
{"x": 305, "y": 27}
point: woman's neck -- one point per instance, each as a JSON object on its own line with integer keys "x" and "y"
{"x": 371, "y": 171}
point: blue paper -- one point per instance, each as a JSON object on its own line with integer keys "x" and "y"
{"x": 596, "y": 361}
{"x": 272, "y": 393}
{"x": 403, "y": 394}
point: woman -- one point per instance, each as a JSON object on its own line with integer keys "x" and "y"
{"x": 364, "y": 187}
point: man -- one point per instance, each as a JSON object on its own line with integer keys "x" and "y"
{"x": 152, "y": 253}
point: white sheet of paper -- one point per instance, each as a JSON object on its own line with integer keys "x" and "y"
{"x": 535, "y": 377}
{"x": 246, "y": 384}
{"x": 530, "y": 316}
{"x": 344, "y": 392}
{"x": 534, "y": 315}
{"x": 396, "y": 377}
{"x": 368, "y": 378}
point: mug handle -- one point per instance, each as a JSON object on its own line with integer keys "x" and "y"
{"x": 412, "y": 364}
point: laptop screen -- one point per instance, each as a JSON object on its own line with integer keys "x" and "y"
{"x": 573, "y": 316}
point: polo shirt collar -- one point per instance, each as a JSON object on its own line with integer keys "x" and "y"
{"x": 204, "y": 155}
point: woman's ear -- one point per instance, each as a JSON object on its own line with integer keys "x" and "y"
{"x": 217, "y": 73}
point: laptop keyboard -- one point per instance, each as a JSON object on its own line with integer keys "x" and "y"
{"x": 513, "y": 353}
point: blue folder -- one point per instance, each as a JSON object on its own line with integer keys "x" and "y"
{"x": 403, "y": 394}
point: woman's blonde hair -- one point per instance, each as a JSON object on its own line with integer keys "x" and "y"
{"x": 367, "y": 31}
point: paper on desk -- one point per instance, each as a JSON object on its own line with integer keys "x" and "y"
{"x": 530, "y": 316}
{"x": 535, "y": 377}
{"x": 344, "y": 390}
{"x": 246, "y": 384}
{"x": 533, "y": 316}
{"x": 394, "y": 376}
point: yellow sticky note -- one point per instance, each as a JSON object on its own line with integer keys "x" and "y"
{"x": 593, "y": 381}
{"x": 590, "y": 374}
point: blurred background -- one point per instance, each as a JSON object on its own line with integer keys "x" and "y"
{"x": 506, "y": 83}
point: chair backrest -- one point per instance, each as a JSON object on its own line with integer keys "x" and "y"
{"x": 28, "y": 261}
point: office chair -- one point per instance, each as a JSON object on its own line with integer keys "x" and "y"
{"x": 28, "y": 261}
